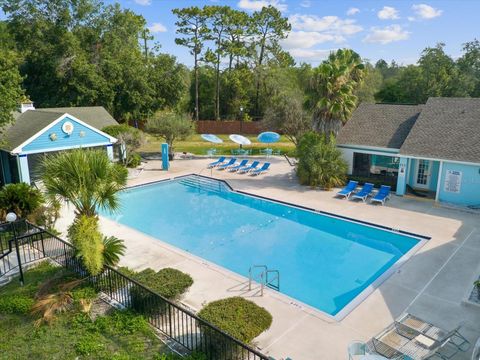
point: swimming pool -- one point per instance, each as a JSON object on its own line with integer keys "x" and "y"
{"x": 324, "y": 261}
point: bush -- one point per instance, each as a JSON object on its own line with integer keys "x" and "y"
{"x": 131, "y": 140}
{"x": 320, "y": 162}
{"x": 238, "y": 317}
{"x": 88, "y": 240}
{"x": 16, "y": 304}
{"x": 20, "y": 198}
{"x": 134, "y": 161}
{"x": 170, "y": 283}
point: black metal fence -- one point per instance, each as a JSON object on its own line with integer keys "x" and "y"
{"x": 172, "y": 320}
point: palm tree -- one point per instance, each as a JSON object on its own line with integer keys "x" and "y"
{"x": 85, "y": 178}
{"x": 332, "y": 90}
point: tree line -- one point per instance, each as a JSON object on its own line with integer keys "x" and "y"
{"x": 84, "y": 53}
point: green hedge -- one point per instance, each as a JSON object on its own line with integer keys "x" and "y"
{"x": 241, "y": 318}
{"x": 168, "y": 282}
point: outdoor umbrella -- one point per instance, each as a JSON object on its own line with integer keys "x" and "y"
{"x": 239, "y": 139}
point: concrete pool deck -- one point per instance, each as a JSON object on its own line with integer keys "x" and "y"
{"x": 431, "y": 285}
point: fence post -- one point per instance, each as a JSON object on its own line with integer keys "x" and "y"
{"x": 17, "y": 248}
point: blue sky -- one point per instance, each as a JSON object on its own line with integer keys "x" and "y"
{"x": 377, "y": 29}
{"x": 397, "y": 30}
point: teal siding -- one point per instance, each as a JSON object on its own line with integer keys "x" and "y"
{"x": 43, "y": 143}
{"x": 469, "y": 187}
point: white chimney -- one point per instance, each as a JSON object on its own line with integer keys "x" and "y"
{"x": 26, "y": 106}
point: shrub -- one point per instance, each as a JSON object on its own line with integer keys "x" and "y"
{"x": 113, "y": 248}
{"x": 131, "y": 140}
{"x": 86, "y": 237}
{"x": 134, "y": 161}
{"x": 20, "y": 198}
{"x": 168, "y": 282}
{"x": 16, "y": 304}
{"x": 320, "y": 162}
{"x": 241, "y": 318}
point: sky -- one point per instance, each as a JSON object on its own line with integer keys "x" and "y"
{"x": 377, "y": 29}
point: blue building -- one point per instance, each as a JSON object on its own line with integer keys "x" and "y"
{"x": 430, "y": 150}
{"x": 37, "y": 133}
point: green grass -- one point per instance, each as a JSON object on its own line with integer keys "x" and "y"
{"x": 196, "y": 145}
{"x": 73, "y": 335}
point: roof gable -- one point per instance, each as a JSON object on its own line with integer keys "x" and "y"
{"x": 379, "y": 125}
{"x": 447, "y": 129}
{"x": 53, "y": 137}
{"x": 32, "y": 122}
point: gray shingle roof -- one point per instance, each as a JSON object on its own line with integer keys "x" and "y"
{"x": 379, "y": 125}
{"x": 448, "y": 129}
{"x": 32, "y": 121}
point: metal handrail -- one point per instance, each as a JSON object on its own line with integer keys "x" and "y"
{"x": 269, "y": 282}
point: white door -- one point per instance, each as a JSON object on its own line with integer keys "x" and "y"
{"x": 422, "y": 175}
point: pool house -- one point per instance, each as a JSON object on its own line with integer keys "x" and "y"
{"x": 36, "y": 133}
{"x": 430, "y": 151}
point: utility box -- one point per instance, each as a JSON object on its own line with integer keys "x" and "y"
{"x": 165, "y": 162}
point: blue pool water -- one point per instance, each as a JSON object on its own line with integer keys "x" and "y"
{"x": 323, "y": 261}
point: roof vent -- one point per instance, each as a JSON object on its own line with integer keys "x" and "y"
{"x": 26, "y": 106}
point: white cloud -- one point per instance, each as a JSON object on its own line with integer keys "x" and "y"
{"x": 310, "y": 54}
{"x": 306, "y": 3}
{"x": 329, "y": 24}
{"x": 386, "y": 34}
{"x": 257, "y": 5}
{"x": 352, "y": 11}
{"x": 425, "y": 11}
{"x": 308, "y": 39}
{"x": 157, "y": 28}
{"x": 388, "y": 13}
{"x": 143, "y": 2}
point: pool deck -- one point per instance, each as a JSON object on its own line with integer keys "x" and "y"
{"x": 432, "y": 285}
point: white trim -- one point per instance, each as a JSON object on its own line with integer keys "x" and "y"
{"x": 19, "y": 148}
{"x": 444, "y": 160}
{"x": 62, "y": 148}
{"x": 374, "y": 148}
{"x": 440, "y": 169}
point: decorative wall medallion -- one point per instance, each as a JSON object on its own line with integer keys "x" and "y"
{"x": 67, "y": 127}
{"x": 53, "y": 136}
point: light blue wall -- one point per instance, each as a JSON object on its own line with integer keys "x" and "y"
{"x": 44, "y": 143}
{"x": 469, "y": 187}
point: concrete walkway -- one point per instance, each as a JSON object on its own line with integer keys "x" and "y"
{"x": 431, "y": 285}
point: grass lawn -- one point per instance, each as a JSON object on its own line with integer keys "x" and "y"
{"x": 196, "y": 145}
{"x": 73, "y": 335}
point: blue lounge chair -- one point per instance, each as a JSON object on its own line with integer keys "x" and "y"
{"x": 236, "y": 167}
{"x": 348, "y": 190}
{"x": 226, "y": 165}
{"x": 248, "y": 168}
{"x": 382, "y": 195}
{"x": 261, "y": 170}
{"x": 220, "y": 161}
{"x": 364, "y": 193}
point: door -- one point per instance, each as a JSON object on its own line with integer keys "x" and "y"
{"x": 422, "y": 176}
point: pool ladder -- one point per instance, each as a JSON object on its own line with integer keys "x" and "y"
{"x": 266, "y": 278}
